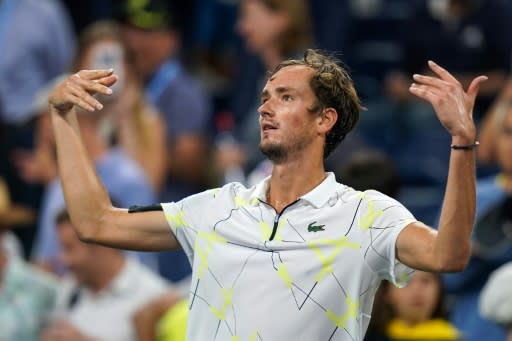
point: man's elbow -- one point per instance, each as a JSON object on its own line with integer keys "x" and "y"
{"x": 456, "y": 263}
{"x": 86, "y": 232}
{"x": 88, "y": 228}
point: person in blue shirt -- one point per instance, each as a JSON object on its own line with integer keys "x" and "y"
{"x": 37, "y": 43}
{"x": 185, "y": 108}
{"x": 492, "y": 244}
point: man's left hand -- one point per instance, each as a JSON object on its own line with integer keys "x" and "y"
{"x": 453, "y": 106}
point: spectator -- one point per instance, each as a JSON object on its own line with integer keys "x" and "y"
{"x": 41, "y": 46}
{"x": 371, "y": 170}
{"x": 415, "y": 312}
{"x": 496, "y": 298}
{"x": 38, "y": 165}
{"x": 465, "y": 36}
{"x": 492, "y": 242}
{"x": 137, "y": 127}
{"x": 287, "y": 33}
{"x": 37, "y": 44}
{"x": 489, "y": 130}
{"x": 99, "y": 300}
{"x": 132, "y": 185}
{"x": 128, "y": 120}
{"x": 27, "y": 295}
{"x": 156, "y": 46}
{"x": 163, "y": 319}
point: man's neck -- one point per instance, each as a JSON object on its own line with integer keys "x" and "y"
{"x": 293, "y": 179}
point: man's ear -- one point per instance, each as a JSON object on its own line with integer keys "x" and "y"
{"x": 326, "y": 120}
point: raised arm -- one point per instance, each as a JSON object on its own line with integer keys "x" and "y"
{"x": 448, "y": 248}
{"x": 87, "y": 201}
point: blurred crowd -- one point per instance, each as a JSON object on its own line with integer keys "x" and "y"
{"x": 183, "y": 118}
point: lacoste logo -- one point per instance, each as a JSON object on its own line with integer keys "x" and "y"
{"x": 315, "y": 228}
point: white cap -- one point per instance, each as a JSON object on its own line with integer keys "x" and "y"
{"x": 496, "y": 296}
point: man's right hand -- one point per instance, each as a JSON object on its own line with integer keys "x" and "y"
{"x": 79, "y": 88}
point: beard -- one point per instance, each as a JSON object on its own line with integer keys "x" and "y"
{"x": 275, "y": 153}
{"x": 279, "y": 153}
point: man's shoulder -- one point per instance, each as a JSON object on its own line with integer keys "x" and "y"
{"x": 226, "y": 192}
{"x": 350, "y": 194}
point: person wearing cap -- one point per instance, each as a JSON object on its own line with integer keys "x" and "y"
{"x": 496, "y": 298}
{"x": 153, "y": 32}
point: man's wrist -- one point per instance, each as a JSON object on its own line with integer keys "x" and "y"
{"x": 463, "y": 141}
{"x": 463, "y": 147}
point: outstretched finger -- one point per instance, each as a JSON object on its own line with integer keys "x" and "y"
{"x": 431, "y": 81}
{"x": 425, "y": 92}
{"x": 84, "y": 97}
{"x": 95, "y": 74}
{"x": 107, "y": 81}
{"x": 441, "y": 72}
{"x": 80, "y": 102}
{"x": 475, "y": 86}
{"x": 92, "y": 86}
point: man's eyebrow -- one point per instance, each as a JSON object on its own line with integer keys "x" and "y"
{"x": 282, "y": 89}
{"x": 265, "y": 94}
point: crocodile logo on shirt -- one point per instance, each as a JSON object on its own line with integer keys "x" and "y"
{"x": 315, "y": 228}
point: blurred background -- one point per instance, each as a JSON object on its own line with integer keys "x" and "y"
{"x": 184, "y": 115}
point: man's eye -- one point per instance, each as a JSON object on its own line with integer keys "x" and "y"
{"x": 287, "y": 98}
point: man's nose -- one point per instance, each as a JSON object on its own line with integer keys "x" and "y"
{"x": 265, "y": 109}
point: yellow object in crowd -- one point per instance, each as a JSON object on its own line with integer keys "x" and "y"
{"x": 432, "y": 330}
{"x": 173, "y": 325}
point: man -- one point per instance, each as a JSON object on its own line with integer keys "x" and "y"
{"x": 299, "y": 256}
{"x": 100, "y": 300}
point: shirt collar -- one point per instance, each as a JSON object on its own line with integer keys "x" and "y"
{"x": 317, "y": 197}
{"x": 260, "y": 192}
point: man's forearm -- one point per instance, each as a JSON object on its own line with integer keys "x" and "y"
{"x": 452, "y": 246}
{"x": 86, "y": 198}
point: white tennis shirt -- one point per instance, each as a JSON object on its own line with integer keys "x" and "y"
{"x": 309, "y": 273}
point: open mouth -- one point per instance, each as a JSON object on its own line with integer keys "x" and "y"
{"x": 268, "y": 126}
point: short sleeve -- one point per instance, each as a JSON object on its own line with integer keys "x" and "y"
{"x": 382, "y": 219}
{"x": 190, "y": 216}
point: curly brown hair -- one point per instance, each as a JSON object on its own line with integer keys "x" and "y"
{"x": 334, "y": 88}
